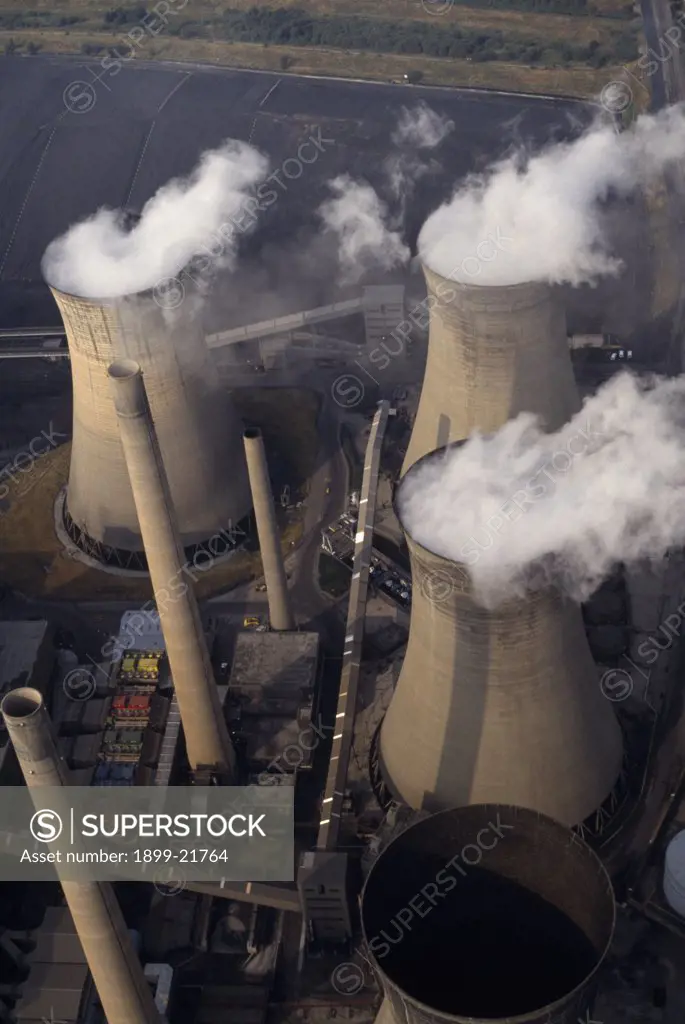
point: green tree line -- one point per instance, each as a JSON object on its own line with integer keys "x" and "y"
{"x": 293, "y": 27}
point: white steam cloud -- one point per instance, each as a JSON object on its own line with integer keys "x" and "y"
{"x": 418, "y": 128}
{"x": 421, "y": 128}
{"x": 547, "y": 205}
{"x": 522, "y": 508}
{"x": 360, "y": 219}
{"x": 100, "y": 259}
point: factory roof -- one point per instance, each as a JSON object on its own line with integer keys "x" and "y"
{"x": 58, "y": 973}
{"x": 272, "y": 683}
{"x": 139, "y": 630}
{"x": 274, "y": 665}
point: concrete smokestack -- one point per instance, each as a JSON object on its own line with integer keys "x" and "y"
{"x": 280, "y": 612}
{"x": 198, "y": 429}
{"x": 515, "y": 915}
{"x": 500, "y": 705}
{"x": 207, "y": 741}
{"x": 493, "y": 352}
{"x": 118, "y": 975}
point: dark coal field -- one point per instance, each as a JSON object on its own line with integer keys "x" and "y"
{"x": 75, "y": 137}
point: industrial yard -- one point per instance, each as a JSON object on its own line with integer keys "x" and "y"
{"x": 342, "y": 585}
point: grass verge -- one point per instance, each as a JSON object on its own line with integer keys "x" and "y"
{"x": 581, "y": 82}
{"x": 334, "y": 577}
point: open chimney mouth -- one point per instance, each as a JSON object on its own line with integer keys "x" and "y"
{"x": 487, "y": 912}
{"x": 124, "y": 369}
{"x": 21, "y": 703}
{"x": 252, "y": 434}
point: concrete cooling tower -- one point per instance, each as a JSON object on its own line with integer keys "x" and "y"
{"x": 199, "y": 431}
{"x": 498, "y": 705}
{"x": 493, "y": 352}
{"x": 487, "y": 913}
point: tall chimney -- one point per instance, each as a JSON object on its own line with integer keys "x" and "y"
{"x": 493, "y": 352}
{"x": 207, "y": 741}
{"x": 496, "y": 705}
{"x": 487, "y": 913}
{"x": 280, "y": 612}
{"x": 198, "y": 429}
{"x": 118, "y": 975}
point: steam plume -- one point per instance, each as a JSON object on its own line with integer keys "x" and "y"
{"x": 419, "y": 128}
{"x": 359, "y": 217}
{"x": 99, "y": 258}
{"x": 523, "y": 508}
{"x": 547, "y": 205}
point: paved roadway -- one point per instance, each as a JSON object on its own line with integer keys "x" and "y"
{"x": 151, "y": 122}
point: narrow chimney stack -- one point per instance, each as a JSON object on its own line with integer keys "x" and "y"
{"x": 117, "y": 972}
{"x": 280, "y": 612}
{"x": 207, "y": 740}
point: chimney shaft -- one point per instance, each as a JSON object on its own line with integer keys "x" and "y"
{"x": 497, "y": 705}
{"x": 280, "y": 612}
{"x": 207, "y": 741}
{"x": 487, "y": 912}
{"x": 492, "y": 354}
{"x": 117, "y": 972}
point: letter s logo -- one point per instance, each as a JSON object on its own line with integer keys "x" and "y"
{"x": 46, "y": 826}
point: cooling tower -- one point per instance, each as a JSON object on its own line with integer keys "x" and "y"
{"x": 496, "y": 706}
{"x": 487, "y": 913}
{"x": 199, "y": 432}
{"x": 117, "y": 972}
{"x": 493, "y": 352}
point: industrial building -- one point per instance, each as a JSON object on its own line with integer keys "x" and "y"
{"x": 271, "y": 701}
{"x": 479, "y": 818}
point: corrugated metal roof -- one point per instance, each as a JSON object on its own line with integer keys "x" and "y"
{"x": 139, "y": 631}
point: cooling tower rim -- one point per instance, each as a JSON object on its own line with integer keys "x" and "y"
{"x": 452, "y": 566}
{"x": 550, "y": 1009}
{"x": 465, "y": 287}
{"x": 111, "y": 300}
{"x": 424, "y": 460}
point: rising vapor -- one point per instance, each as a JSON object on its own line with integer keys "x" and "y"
{"x": 418, "y": 129}
{"x": 548, "y": 205}
{"x": 523, "y": 508}
{"x": 100, "y": 258}
{"x": 359, "y": 218}
{"x": 421, "y": 128}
